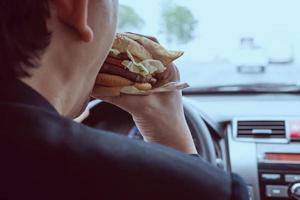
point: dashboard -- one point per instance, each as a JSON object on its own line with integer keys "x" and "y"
{"x": 259, "y": 139}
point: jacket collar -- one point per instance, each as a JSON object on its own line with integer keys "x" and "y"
{"x": 16, "y": 92}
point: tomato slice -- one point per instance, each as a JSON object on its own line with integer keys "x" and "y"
{"x": 114, "y": 61}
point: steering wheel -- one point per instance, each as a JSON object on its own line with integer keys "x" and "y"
{"x": 111, "y": 118}
{"x": 201, "y": 135}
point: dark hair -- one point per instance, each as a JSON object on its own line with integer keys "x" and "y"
{"x": 23, "y": 35}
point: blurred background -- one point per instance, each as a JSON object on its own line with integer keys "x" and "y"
{"x": 226, "y": 42}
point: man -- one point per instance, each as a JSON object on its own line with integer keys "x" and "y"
{"x": 50, "y": 54}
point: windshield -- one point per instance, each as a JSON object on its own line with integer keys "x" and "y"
{"x": 226, "y": 42}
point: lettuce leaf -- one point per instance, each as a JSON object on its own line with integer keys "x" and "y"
{"x": 146, "y": 67}
{"x": 114, "y": 52}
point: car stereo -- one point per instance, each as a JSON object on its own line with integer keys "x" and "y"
{"x": 279, "y": 181}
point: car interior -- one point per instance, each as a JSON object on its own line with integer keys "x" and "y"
{"x": 242, "y": 62}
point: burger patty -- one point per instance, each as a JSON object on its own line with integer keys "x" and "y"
{"x": 111, "y": 69}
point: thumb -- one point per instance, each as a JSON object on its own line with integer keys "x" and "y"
{"x": 111, "y": 100}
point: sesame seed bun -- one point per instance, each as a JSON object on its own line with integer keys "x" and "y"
{"x": 143, "y": 86}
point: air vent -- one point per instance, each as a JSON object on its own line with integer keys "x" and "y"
{"x": 261, "y": 129}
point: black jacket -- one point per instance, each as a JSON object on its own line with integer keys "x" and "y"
{"x": 46, "y": 156}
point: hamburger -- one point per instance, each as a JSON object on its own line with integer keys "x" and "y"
{"x": 132, "y": 63}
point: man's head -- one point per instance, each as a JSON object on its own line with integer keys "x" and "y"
{"x": 56, "y": 46}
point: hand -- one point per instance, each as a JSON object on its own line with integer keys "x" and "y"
{"x": 159, "y": 117}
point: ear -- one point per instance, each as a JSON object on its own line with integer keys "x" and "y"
{"x": 74, "y": 13}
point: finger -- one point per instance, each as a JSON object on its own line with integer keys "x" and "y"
{"x": 170, "y": 74}
{"x": 107, "y": 99}
{"x": 124, "y": 101}
{"x": 177, "y": 73}
{"x": 117, "y": 101}
{"x": 101, "y": 92}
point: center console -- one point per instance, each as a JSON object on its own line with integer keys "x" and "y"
{"x": 266, "y": 153}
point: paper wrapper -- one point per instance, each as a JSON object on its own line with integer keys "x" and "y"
{"x": 101, "y": 92}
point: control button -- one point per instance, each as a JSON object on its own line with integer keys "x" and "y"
{"x": 294, "y": 127}
{"x": 291, "y": 178}
{"x": 250, "y": 192}
{"x": 295, "y": 135}
{"x": 295, "y": 191}
{"x": 271, "y": 177}
{"x": 276, "y": 191}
